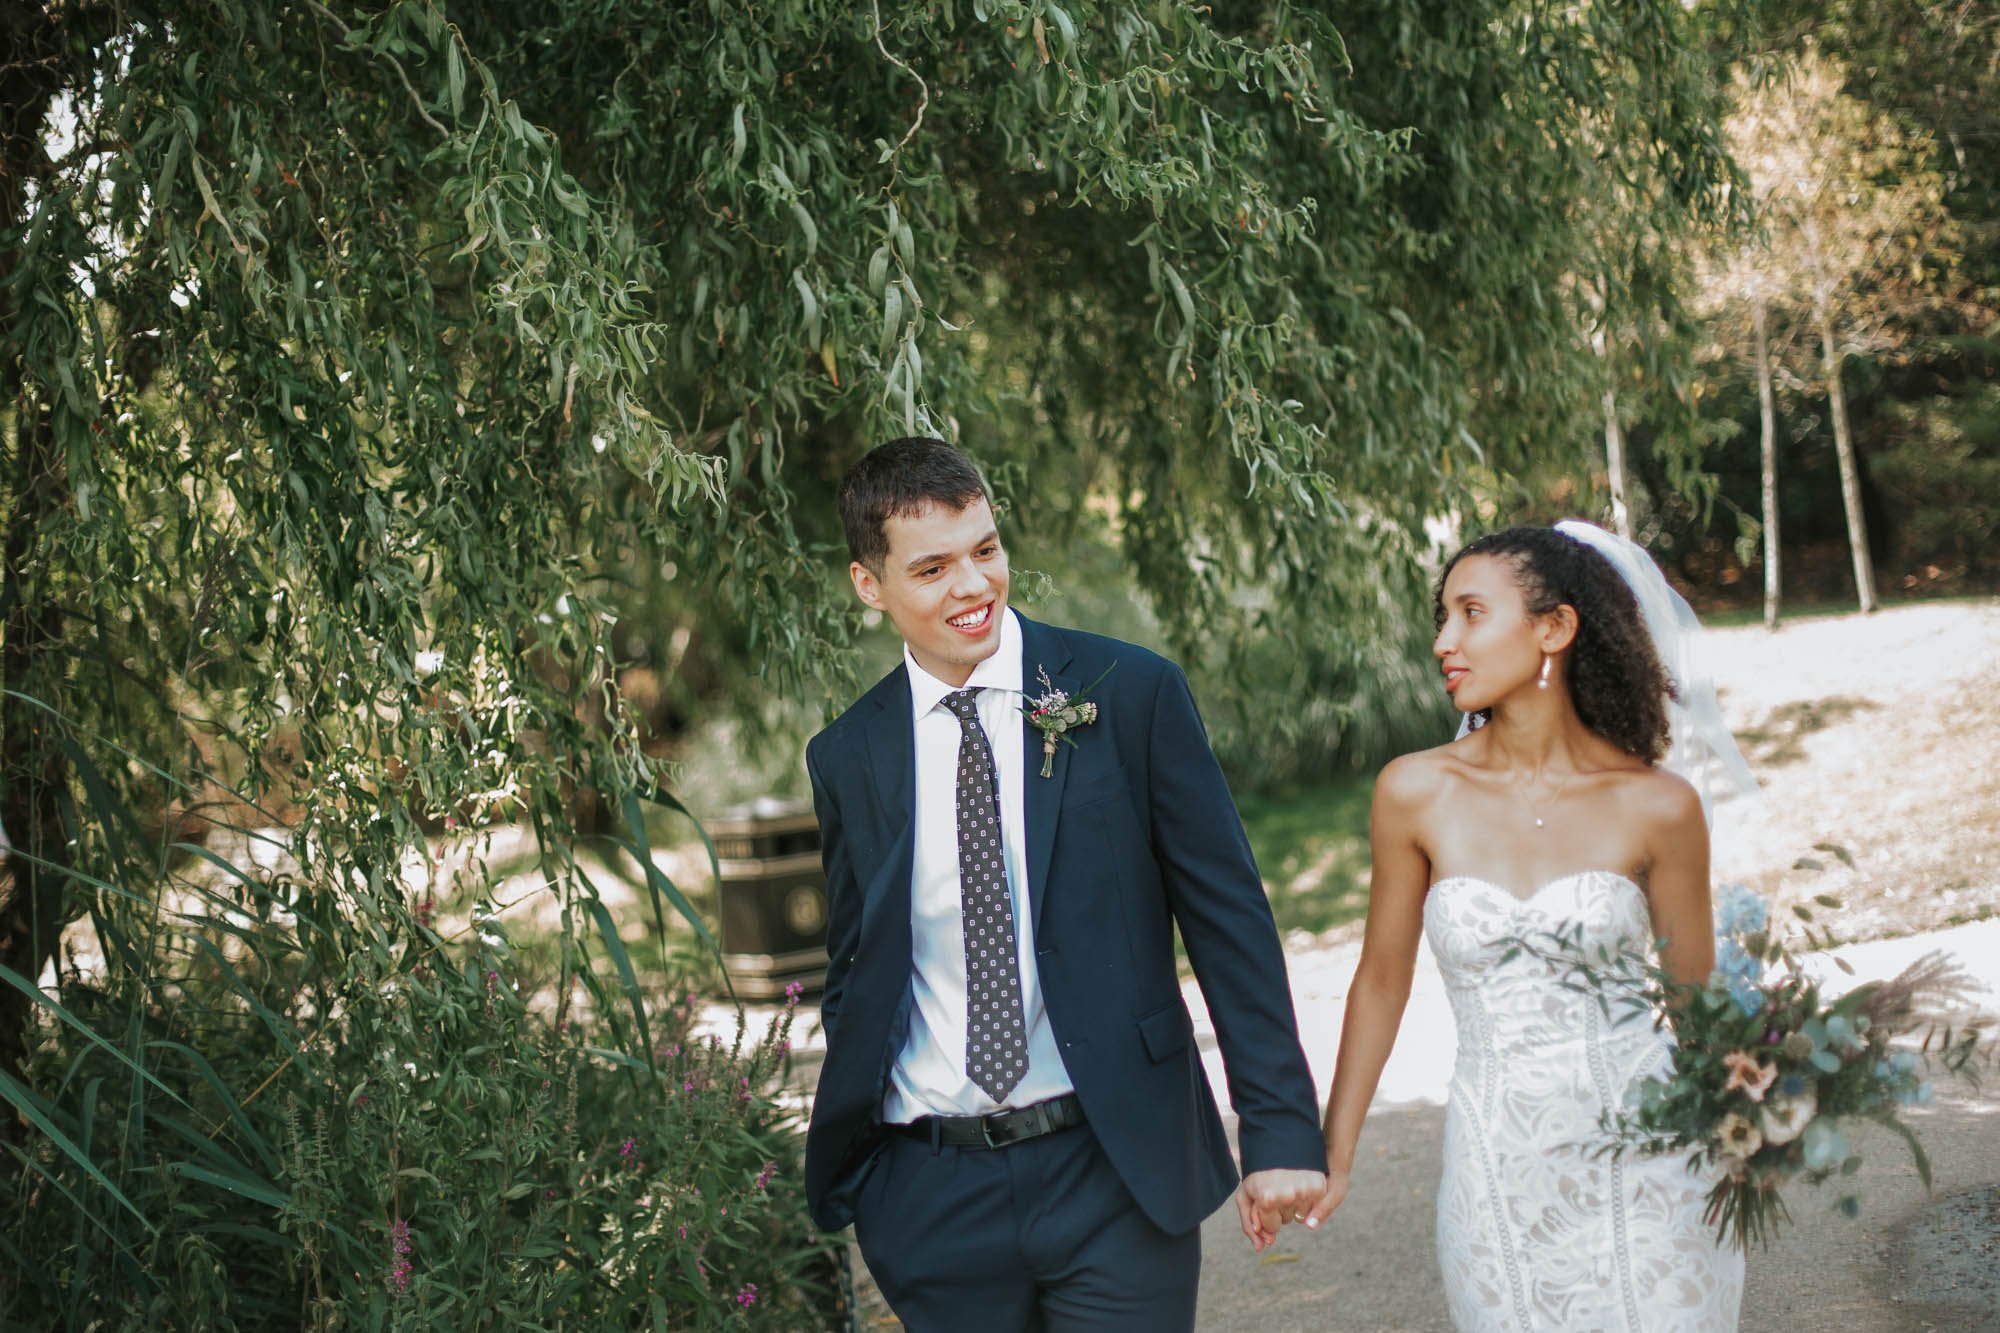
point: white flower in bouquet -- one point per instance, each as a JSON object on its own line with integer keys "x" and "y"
{"x": 1737, "y": 1136}
{"x": 1784, "y": 1118}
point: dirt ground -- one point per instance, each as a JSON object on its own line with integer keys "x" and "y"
{"x": 1874, "y": 738}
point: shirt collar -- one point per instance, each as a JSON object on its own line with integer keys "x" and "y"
{"x": 1001, "y": 671}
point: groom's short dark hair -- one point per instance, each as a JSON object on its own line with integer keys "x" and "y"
{"x": 899, "y": 478}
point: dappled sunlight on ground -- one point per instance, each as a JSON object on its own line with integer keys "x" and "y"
{"x": 1873, "y": 737}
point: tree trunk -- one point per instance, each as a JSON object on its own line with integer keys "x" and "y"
{"x": 1614, "y": 442}
{"x": 1614, "y": 461}
{"x": 1850, "y": 473}
{"x": 1767, "y": 404}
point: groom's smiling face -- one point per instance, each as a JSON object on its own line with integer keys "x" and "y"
{"x": 943, "y": 584}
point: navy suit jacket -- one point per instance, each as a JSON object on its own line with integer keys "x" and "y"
{"x": 1134, "y": 833}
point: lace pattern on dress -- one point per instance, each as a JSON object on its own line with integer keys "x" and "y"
{"x": 1535, "y": 1230}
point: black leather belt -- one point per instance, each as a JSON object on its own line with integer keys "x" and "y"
{"x": 998, "y": 1129}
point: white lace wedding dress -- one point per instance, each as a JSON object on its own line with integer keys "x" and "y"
{"x": 1534, "y": 1231}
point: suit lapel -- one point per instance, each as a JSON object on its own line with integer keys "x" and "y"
{"x": 892, "y": 762}
{"x": 1042, "y": 649}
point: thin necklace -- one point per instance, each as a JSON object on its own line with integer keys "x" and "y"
{"x": 1536, "y": 808}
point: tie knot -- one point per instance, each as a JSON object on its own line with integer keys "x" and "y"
{"x": 964, "y": 704}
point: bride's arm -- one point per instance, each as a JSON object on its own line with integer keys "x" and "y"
{"x": 1677, "y": 881}
{"x": 1397, "y": 883}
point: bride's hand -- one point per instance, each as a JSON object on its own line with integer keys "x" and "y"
{"x": 1336, "y": 1190}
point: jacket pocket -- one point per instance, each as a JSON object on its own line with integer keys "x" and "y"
{"x": 1166, "y": 1031}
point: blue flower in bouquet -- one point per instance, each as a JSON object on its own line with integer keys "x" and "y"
{"x": 1829, "y": 1036}
{"x": 1744, "y": 991}
{"x": 1738, "y": 911}
{"x": 1896, "y": 1067}
{"x": 1737, "y": 971}
{"x": 1825, "y": 1147}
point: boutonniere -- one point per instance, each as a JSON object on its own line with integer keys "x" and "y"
{"x": 1055, "y": 713}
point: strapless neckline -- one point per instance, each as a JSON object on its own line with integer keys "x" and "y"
{"x": 1524, "y": 899}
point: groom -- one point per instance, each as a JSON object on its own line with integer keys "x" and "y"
{"x": 1012, "y": 1112}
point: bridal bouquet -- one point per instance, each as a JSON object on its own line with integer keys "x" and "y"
{"x": 1767, "y": 1071}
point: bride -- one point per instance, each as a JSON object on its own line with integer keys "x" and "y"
{"x": 1553, "y": 809}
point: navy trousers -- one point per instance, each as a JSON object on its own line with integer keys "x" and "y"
{"x": 1037, "y": 1237}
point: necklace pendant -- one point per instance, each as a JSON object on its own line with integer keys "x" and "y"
{"x": 1538, "y": 822}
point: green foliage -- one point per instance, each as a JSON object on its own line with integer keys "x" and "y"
{"x": 313, "y": 477}
{"x": 1311, "y": 845}
{"x": 1940, "y": 471}
{"x": 1929, "y": 66}
{"x": 1255, "y": 294}
{"x": 410, "y": 408}
{"x": 279, "y": 1074}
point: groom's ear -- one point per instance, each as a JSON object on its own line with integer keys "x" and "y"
{"x": 867, "y": 585}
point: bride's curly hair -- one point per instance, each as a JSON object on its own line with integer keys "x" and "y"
{"x": 1616, "y": 679}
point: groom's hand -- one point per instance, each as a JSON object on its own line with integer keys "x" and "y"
{"x": 1269, "y": 1199}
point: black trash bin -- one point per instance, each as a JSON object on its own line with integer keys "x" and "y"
{"x": 771, "y": 896}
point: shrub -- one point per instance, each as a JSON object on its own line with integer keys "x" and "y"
{"x": 305, "y": 1100}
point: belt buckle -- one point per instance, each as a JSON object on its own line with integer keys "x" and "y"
{"x": 986, "y": 1130}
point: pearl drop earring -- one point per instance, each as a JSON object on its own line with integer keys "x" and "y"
{"x": 1543, "y": 683}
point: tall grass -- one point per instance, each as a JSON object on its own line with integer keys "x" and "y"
{"x": 279, "y": 1083}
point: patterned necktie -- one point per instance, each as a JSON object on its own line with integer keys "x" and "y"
{"x": 996, "y": 1036}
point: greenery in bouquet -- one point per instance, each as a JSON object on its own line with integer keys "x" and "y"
{"x": 1769, "y": 1070}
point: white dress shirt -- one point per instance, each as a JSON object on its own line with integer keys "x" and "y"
{"x": 929, "y": 1075}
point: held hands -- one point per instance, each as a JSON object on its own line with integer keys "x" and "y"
{"x": 1269, "y": 1199}
{"x": 1336, "y": 1191}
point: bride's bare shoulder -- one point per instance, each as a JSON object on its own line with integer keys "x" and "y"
{"x": 1665, "y": 801}
{"x": 1412, "y": 781}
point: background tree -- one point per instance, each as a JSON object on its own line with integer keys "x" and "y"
{"x": 1739, "y": 286}
{"x": 382, "y": 384}
{"x": 1857, "y": 232}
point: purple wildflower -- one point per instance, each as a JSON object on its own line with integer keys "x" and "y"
{"x": 748, "y": 1296}
{"x": 400, "y": 1267}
